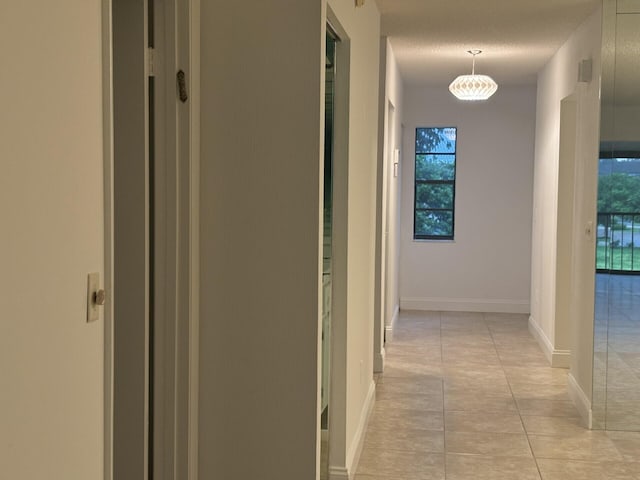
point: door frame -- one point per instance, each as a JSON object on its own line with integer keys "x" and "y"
{"x": 181, "y": 193}
{"x": 339, "y": 460}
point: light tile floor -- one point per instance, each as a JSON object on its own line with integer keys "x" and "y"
{"x": 471, "y": 396}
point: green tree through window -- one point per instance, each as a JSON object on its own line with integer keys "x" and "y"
{"x": 619, "y": 192}
{"x": 435, "y": 176}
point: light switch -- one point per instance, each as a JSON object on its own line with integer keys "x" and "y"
{"x": 93, "y": 286}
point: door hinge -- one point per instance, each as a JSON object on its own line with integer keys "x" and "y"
{"x": 151, "y": 62}
{"x": 182, "y": 86}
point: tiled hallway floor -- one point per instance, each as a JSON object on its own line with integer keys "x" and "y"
{"x": 471, "y": 396}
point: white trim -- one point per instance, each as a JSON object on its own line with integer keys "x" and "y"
{"x": 355, "y": 450}
{"x": 182, "y": 309}
{"x": 348, "y": 471}
{"x": 338, "y": 473}
{"x": 378, "y": 361}
{"x": 339, "y": 302}
{"x": 389, "y": 329}
{"x": 581, "y": 400}
{"x": 381, "y": 236}
{"x": 107, "y": 128}
{"x": 561, "y": 359}
{"x": 465, "y": 305}
{"x": 194, "y": 238}
{"x": 186, "y": 49}
{"x": 557, "y": 358}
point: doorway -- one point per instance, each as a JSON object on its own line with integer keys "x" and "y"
{"x": 152, "y": 430}
{"x": 327, "y": 245}
{"x": 134, "y": 236}
{"x": 133, "y": 241}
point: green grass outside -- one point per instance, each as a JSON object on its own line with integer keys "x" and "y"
{"x": 618, "y": 258}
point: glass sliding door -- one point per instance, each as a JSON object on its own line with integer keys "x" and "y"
{"x": 616, "y": 381}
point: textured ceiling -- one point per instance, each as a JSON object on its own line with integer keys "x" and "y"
{"x": 431, "y": 37}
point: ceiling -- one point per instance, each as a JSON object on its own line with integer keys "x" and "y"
{"x": 431, "y": 37}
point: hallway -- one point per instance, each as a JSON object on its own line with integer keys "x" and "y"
{"x": 471, "y": 396}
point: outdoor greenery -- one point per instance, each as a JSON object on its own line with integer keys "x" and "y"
{"x": 435, "y": 223}
{"x": 619, "y": 192}
{"x": 435, "y": 182}
{"x": 435, "y": 167}
{"x": 617, "y": 258}
{"x": 618, "y": 199}
{"x": 434, "y": 196}
{"x": 435, "y": 140}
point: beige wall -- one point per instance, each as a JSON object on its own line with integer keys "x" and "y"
{"x": 556, "y": 81}
{"x": 260, "y": 235}
{"x": 51, "y": 206}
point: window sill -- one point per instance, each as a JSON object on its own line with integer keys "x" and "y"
{"x": 431, "y": 240}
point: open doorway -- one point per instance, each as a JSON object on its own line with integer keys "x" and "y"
{"x": 327, "y": 245}
{"x": 133, "y": 237}
{"x": 152, "y": 387}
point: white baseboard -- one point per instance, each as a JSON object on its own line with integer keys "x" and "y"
{"x": 581, "y": 401}
{"x": 348, "y": 472}
{"x": 338, "y": 473}
{"x": 557, "y": 358}
{"x": 465, "y": 305}
{"x": 389, "y": 329}
{"x": 378, "y": 361}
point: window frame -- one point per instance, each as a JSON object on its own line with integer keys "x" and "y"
{"x": 452, "y": 183}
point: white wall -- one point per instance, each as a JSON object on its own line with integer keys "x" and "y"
{"x": 487, "y": 266}
{"x": 361, "y": 27}
{"x": 395, "y": 95}
{"x": 387, "y": 201}
{"x": 51, "y": 206}
{"x": 260, "y": 236}
{"x": 260, "y": 231}
{"x": 556, "y": 81}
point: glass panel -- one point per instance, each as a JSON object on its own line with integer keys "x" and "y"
{"x": 434, "y": 223}
{"x": 434, "y": 196}
{"x": 616, "y": 387}
{"x": 436, "y": 140}
{"x": 603, "y": 259}
{"x": 435, "y": 167}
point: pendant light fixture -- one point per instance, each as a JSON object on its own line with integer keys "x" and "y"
{"x": 473, "y": 87}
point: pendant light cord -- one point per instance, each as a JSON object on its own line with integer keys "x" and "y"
{"x": 473, "y": 65}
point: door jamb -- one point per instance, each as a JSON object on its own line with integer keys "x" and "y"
{"x": 182, "y": 52}
{"x": 107, "y": 132}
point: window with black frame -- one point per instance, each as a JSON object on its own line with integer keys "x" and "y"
{"x": 435, "y": 183}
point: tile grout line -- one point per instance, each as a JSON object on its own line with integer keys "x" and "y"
{"x": 516, "y": 403}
